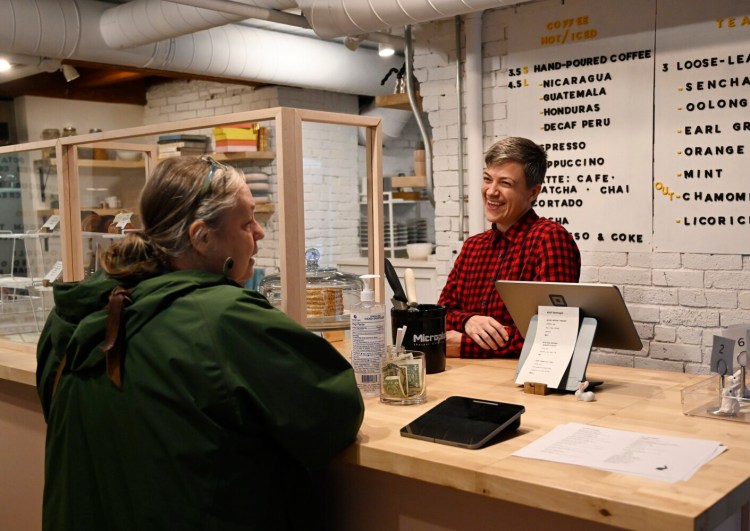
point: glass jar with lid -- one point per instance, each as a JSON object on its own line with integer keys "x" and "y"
{"x": 49, "y": 134}
{"x": 329, "y": 293}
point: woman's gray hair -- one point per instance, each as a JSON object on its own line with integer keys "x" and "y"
{"x": 180, "y": 191}
{"x": 523, "y": 151}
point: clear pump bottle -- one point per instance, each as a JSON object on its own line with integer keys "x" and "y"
{"x": 368, "y": 339}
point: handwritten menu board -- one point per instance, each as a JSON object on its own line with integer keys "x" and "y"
{"x": 581, "y": 79}
{"x": 702, "y": 127}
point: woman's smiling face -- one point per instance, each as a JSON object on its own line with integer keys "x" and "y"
{"x": 506, "y": 194}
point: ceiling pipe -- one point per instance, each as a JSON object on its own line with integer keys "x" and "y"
{"x": 460, "y": 119}
{"x": 474, "y": 125}
{"x": 337, "y": 18}
{"x": 250, "y": 11}
{"x": 159, "y": 20}
{"x": 69, "y": 29}
{"x": 415, "y": 107}
{"x": 27, "y": 65}
{"x": 141, "y": 22}
{"x": 398, "y": 43}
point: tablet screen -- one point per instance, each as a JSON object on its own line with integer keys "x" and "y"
{"x": 465, "y": 422}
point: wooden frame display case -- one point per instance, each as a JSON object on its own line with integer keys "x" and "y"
{"x": 288, "y": 128}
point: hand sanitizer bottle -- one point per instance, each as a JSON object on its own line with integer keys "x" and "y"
{"x": 368, "y": 339}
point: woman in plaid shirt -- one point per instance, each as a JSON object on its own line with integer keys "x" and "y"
{"x": 519, "y": 246}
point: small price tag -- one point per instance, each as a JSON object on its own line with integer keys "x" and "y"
{"x": 124, "y": 219}
{"x": 722, "y": 355}
{"x": 737, "y": 333}
{"x": 55, "y": 272}
{"x": 51, "y": 222}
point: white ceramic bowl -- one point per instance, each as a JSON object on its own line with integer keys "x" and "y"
{"x": 418, "y": 251}
{"x": 126, "y": 154}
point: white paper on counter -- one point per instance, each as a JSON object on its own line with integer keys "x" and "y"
{"x": 667, "y": 459}
{"x": 553, "y": 346}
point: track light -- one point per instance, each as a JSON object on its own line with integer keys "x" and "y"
{"x": 70, "y": 73}
{"x": 385, "y": 50}
{"x": 4, "y": 65}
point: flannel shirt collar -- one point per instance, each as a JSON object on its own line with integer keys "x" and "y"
{"x": 518, "y": 229}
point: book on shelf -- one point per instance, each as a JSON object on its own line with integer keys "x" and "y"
{"x": 241, "y": 137}
{"x": 181, "y": 137}
{"x": 236, "y": 133}
{"x": 174, "y": 149}
{"x": 236, "y": 142}
{"x": 195, "y": 144}
{"x": 236, "y": 145}
{"x": 231, "y": 147}
{"x": 178, "y": 153}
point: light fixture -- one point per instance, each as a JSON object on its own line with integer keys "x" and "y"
{"x": 385, "y": 50}
{"x": 4, "y": 65}
{"x": 70, "y": 73}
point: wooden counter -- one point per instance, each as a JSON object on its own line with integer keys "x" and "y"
{"x": 18, "y": 362}
{"x": 564, "y": 496}
{"x": 385, "y": 481}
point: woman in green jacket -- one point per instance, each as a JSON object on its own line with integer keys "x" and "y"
{"x": 174, "y": 398}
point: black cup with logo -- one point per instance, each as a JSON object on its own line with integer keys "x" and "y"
{"x": 425, "y": 331}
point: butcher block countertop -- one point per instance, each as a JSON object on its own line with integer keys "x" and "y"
{"x": 633, "y": 399}
{"x": 18, "y": 362}
{"x": 638, "y": 400}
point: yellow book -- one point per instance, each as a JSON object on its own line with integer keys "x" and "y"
{"x": 234, "y": 133}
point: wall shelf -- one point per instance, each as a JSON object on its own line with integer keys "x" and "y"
{"x": 93, "y": 163}
{"x": 396, "y": 101}
{"x": 263, "y": 208}
{"x": 231, "y": 156}
{"x": 243, "y": 155}
{"x": 95, "y": 210}
{"x": 135, "y": 164}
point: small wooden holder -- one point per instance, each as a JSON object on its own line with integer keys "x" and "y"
{"x": 533, "y": 388}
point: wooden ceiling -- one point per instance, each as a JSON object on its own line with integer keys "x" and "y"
{"x": 99, "y": 82}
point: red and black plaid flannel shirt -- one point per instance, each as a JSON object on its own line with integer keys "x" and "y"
{"x": 533, "y": 249}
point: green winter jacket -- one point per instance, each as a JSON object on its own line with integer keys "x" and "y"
{"x": 227, "y": 406}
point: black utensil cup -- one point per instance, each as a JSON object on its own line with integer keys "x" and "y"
{"x": 425, "y": 331}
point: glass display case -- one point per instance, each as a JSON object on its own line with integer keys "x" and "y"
{"x": 89, "y": 184}
{"x": 329, "y": 293}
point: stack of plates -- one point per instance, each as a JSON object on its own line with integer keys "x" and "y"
{"x": 400, "y": 234}
{"x": 363, "y": 233}
{"x": 259, "y": 186}
{"x": 417, "y": 230}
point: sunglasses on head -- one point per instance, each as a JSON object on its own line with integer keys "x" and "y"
{"x": 207, "y": 181}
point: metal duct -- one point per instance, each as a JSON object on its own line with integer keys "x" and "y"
{"x": 336, "y": 18}
{"x": 146, "y": 21}
{"x": 69, "y": 29}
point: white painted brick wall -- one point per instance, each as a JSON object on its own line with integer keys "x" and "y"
{"x": 678, "y": 301}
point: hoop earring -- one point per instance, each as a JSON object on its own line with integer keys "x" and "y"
{"x": 228, "y": 265}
